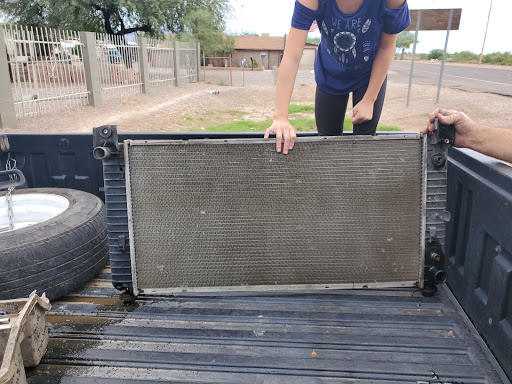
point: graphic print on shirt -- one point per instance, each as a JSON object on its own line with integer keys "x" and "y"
{"x": 326, "y": 33}
{"x": 342, "y": 43}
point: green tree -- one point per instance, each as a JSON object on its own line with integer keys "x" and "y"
{"x": 435, "y": 54}
{"x": 119, "y": 17}
{"x": 404, "y": 41}
{"x": 200, "y": 26}
{"x": 313, "y": 40}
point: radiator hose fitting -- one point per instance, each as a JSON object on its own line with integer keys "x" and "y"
{"x": 101, "y": 153}
{"x": 437, "y": 275}
{"x": 434, "y": 273}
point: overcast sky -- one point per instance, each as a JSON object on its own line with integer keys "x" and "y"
{"x": 273, "y": 16}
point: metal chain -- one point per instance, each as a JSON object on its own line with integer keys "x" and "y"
{"x": 11, "y": 164}
{"x": 8, "y": 199}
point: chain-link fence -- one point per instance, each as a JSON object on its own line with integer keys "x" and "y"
{"x": 217, "y": 70}
{"x": 222, "y": 70}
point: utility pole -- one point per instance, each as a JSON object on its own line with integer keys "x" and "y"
{"x": 242, "y": 18}
{"x": 485, "y": 36}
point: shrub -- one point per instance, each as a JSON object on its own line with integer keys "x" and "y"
{"x": 499, "y": 58}
{"x": 435, "y": 54}
{"x": 465, "y": 57}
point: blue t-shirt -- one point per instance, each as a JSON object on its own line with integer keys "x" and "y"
{"x": 349, "y": 42}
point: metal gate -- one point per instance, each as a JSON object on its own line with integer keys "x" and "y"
{"x": 223, "y": 214}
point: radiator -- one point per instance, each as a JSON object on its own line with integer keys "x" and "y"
{"x": 230, "y": 214}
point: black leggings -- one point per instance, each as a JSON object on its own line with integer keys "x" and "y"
{"x": 330, "y": 112}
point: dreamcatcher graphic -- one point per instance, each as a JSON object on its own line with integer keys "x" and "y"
{"x": 344, "y": 43}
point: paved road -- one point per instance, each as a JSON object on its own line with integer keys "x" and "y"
{"x": 470, "y": 79}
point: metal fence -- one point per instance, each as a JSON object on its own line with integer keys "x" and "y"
{"x": 45, "y": 69}
{"x": 51, "y": 70}
{"x": 219, "y": 69}
{"x": 118, "y": 66}
{"x": 188, "y": 61}
{"x": 161, "y": 62}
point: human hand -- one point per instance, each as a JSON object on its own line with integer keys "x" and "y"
{"x": 283, "y": 130}
{"x": 362, "y": 112}
{"x": 465, "y": 128}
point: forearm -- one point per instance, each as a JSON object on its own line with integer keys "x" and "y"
{"x": 285, "y": 84}
{"x": 495, "y": 142}
{"x": 380, "y": 69}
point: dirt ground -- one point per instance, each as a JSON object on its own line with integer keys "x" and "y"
{"x": 190, "y": 107}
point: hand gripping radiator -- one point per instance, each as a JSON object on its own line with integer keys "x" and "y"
{"x": 337, "y": 212}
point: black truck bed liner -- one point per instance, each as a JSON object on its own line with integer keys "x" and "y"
{"x": 362, "y": 336}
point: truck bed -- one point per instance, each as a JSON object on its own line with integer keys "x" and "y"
{"x": 363, "y": 336}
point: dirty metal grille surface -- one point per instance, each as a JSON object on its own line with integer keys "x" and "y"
{"x": 235, "y": 213}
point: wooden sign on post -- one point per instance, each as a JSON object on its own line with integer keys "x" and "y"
{"x": 435, "y": 19}
{"x": 432, "y": 20}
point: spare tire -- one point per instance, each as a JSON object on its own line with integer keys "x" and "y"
{"x": 56, "y": 250}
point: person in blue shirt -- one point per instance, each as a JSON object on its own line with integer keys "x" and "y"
{"x": 357, "y": 46}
